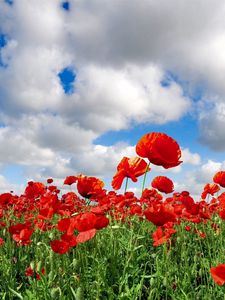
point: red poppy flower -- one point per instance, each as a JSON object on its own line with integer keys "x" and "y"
{"x": 70, "y": 180}
{"x": 161, "y": 236}
{"x": 160, "y": 149}
{"x": 135, "y": 209}
{"x": 49, "y": 180}
{"x": 218, "y": 274}
{"x": 189, "y": 203}
{"x": 21, "y": 233}
{"x": 2, "y": 242}
{"x": 53, "y": 188}
{"x": 219, "y": 178}
{"x": 151, "y": 195}
{"x": 159, "y": 214}
{"x": 221, "y": 199}
{"x": 23, "y": 237}
{"x": 46, "y": 213}
{"x": 131, "y": 168}
{"x": 15, "y": 229}
{"x": 5, "y": 198}
{"x": 71, "y": 239}
{"x": 34, "y": 189}
{"x": 187, "y": 228}
{"x": 88, "y": 186}
{"x": 222, "y": 214}
{"x": 29, "y": 272}
{"x": 101, "y": 222}
{"x": 163, "y": 184}
{"x": 98, "y": 210}
{"x": 85, "y": 221}
{"x": 60, "y": 246}
{"x": 210, "y": 188}
{"x": 67, "y": 225}
{"x": 44, "y": 226}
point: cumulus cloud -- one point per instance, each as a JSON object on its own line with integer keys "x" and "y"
{"x": 183, "y": 36}
{"x": 120, "y": 52}
{"x": 109, "y": 99}
{"x": 207, "y": 171}
{"x": 190, "y": 158}
{"x": 167, "y": 29}
{"x": 6, "y": 186}
{"x": 99, "y": 160}
{"x": 171, "y": 34}
{"x": 195, "y": 180}
{"x": 212, "y": 123}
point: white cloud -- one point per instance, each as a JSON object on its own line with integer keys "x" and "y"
{"x": 30, "y": 82}
{"x": 167, "y": 29}
{"x": 120, "y": 51}
{"x": 207, "y": 171}
{"x": 17, "y": 149}
{"x": 6, "y": 186}
{"x": 212, "y": 123}
{"x": 34, "y": 22}
{"x": 101, "y": 160}
{"x": 190, "y": 158}
{"x": 109, "y": 99}
{"x": 185, "y": 37}
{"x": 195, "y": 180}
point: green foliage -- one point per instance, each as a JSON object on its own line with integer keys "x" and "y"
{"x": 120, "y": 262}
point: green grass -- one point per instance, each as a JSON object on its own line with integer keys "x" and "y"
{"x": 120, "y": 262}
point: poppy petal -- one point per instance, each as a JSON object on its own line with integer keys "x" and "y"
{"x": 86, "y": 235}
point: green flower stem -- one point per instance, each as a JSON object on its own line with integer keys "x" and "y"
{"x": 143, "y": 183}
{"x": 126, "y": 183}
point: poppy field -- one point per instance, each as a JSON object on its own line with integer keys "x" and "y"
{"x": 91, "y": 243}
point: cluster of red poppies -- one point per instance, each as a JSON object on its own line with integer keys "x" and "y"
{"x": 78, "y": 217}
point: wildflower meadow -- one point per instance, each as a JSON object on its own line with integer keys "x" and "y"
{"x": 95, "y": 244}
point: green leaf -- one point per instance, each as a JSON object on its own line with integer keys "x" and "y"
{"x": 16, "y": 293}
{"x": 73, "y": 292}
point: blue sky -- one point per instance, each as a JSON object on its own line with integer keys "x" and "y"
{"x": 80, "y": 89}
